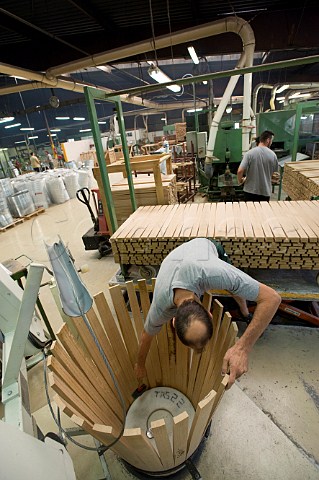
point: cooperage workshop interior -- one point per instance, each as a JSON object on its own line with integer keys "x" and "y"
{"x": 159, "y": 240}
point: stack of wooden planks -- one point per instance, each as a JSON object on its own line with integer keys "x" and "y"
{"x": 145, "y": 194}
{"x": 86, "y": 392}
{"x": 257, "y": 235}
{"x": 301, "y": 179}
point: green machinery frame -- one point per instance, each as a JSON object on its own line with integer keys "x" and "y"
{"x": 311, "y": 106}
{"x": 92, "y": 94}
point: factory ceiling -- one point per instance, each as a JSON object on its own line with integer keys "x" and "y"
{"x": 39, "y": 35}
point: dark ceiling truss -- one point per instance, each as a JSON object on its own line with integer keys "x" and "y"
{"x": 94, "y": 13}
{"x": 40, "y": 34}
{"x": 34, "y": 32}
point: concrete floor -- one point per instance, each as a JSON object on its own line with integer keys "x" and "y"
{"x": 267, "y": 425}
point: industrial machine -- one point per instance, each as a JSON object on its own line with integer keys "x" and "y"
{"x": 283, "y": 122}
{"x": 98, "y": 237}
{"x": 24, "y": 451}
{"x": 218, "y": 178}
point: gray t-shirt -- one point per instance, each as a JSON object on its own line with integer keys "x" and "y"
{"x": 259, "y": 164}
{"x": 194, "y": 266}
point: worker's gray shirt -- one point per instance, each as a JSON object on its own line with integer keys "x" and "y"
{"x": 259, "y": 164}
{"x": 194, "y": 266}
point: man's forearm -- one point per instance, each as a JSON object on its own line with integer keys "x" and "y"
{"x": 240, "y": 175}
{"x": 144, "y": 347}
{"x": 267, "y": 304}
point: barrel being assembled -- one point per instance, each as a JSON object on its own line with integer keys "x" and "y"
{"x": 86, "y": 389}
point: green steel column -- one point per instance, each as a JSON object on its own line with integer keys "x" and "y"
{"x": 281, "y": 170}
{"x": 89, "y": 98}
{"x": 120, "y": 119}
{"x": 296, "y": 132}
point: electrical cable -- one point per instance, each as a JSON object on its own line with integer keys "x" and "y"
{"x": 105, "y": 360}
{"x": 170, "y": 34}
{"x": 153, "y": 32}
{"x": 156, "y": 410}
{"x": 124, "y": 72}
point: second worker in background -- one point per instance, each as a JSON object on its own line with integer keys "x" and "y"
{"x": 257, "y": 169}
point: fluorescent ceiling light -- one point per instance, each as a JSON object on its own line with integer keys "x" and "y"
{"x": 295, "y": 95}
{"x": 192, "y": 110}
{"x": 6, "y": 119}
{"x": 281, "y": 101}
{"x": 102, "y": 123}
{"x": 27, "y": 129}
{"x": 52, "y": 135}
{"x": 14, "y": 125}
{"x": 303, "y": 117}
{"x": 21, "y": 141}
{"x": 104, "y": 68}
{"x": 55, "y": 130}
{"x": 19, "y": 78}
{"x": 161, "y": 77}
{"x": 3, "y": 149}
{"x": 79, "y": 118}
{"x": 164, "y": 119}
{"x": 242, "y": 11}
{"x": 32, "y": 138}
{"x": 193, "y": 54}
{"x": 282, "y": 88}
{"x": 280, "y": 98}
{"x": 85, "y": 130}
{"x": 62, "y": 118}
{"x": 229, "y": 109}
{"x": 205, "y": 82}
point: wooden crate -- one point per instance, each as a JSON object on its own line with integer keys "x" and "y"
{"x": 180, "y": 131}
{"x": 256, "y": 235}
{"x": 86, "y": 392}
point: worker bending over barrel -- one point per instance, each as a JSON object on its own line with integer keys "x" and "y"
{"x": 185, "y": 275}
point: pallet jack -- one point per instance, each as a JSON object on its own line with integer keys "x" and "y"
{"x": 98, "y": 237}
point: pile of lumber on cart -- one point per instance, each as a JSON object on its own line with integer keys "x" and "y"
{"x": 257, "y": 235}
{"x": 145, "y": 194}
{"x": 301, "y": 179}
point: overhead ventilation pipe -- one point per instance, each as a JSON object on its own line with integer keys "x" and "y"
{"x": 231, "y": 24}
{"x": 291, "y": 86}
{"x": 78, "y": 86}
{"x": 242, "y": 28}
{"x": 256, "y": 91}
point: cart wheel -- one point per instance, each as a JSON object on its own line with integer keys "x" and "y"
{"x": 105, "y": 248}
{"x": 147, "y": 272}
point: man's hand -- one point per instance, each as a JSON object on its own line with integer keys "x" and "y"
{"x": 139, "y": 367}
{"x": 275, "y": 178}
{"x": 140, "y": 373}
{"x": 235, "y": 363}
{"x": 243, "y": 180}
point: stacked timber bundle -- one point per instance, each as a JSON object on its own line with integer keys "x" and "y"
{"x": 301, "y": 179}
{"x": 258, "y": 235}
{"x": 87, "y": 394}
{"x": 145, "y": 194}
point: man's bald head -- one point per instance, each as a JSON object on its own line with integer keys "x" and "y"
{"x": 193, "y": 325}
